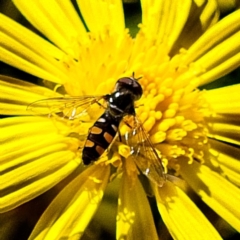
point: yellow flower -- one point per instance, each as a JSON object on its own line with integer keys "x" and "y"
{"x": 179, "y": 47}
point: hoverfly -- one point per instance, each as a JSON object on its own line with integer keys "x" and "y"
{"x": 117, "y": 105}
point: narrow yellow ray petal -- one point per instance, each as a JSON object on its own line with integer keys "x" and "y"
{"x": 52, "y": 21}
{"x": 180, "y": 214}
{"x": 148, "y": 12}
{"x": 71, "y": 16}
{"x": 221, "y": 70}
{"x": 33, "y": 159}
{"x": 224, "y": 100}
{"x": 16, "y": 83}
{"x": 8, "y": 92}
{"x": 219, "y": 54}
{"x": 231, "y": 175}
{"x": 225, "y": 127}
{"x": 15, "y": 54}
{"x": 224, "y": 159}
{"x": 21, "y": 156}
{"x": 18, "y": 62}
{"x": 215, "y": 190}
{"x": 40, "y": 20}
{"x": 16, "y": 95}
{"x": 28, "y": 38}
{"x": 164, "y": 20}
{"x": 134, "y": 219}
{"x": 23, "y": 145}
{"x": 210, "y": 13}
{"x": 226, "y": 118}
{"x": 16, "y": 132}
{"x": 202, "y": 15}
{"x": 165, "y": 14}
{"x": 102, "y": 13}
{"x": 178, "y": 21}
{"x": 34, "y": 179}
{"x": 17, "y": 41}
{"x": 70, "y": 212}
{"x": 12, "y": 109}
{"x": 215, "y": 35}
{"x": 229, "y": 133}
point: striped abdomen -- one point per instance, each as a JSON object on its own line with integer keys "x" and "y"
{"x": 100, "y": 136}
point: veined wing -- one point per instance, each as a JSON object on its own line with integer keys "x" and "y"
{"x": 65, "y": 107}
{"x": 144, "y": 154}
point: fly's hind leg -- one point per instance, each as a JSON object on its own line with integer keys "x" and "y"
{"x": 113, "y": 141}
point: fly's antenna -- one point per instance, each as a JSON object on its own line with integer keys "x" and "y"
{"x": 136, "y": 79}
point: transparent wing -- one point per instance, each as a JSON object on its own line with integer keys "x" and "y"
{"x": 144, "y": 154}
{"x": 66, "y": 107}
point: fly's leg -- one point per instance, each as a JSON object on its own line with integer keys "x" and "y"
{"x": 119, "y": 134}
{"x": 120, "y": 138}
{"x": 96, "y": 101}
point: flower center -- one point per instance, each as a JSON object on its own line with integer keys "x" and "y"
{"x": 171, "y": 108}
{"x": 173, "y": 115}
{"x": 102, "y": 59}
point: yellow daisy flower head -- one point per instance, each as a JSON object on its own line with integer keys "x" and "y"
{"x": 170, "y": 131}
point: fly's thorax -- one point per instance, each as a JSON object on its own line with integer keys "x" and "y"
{"x": 121, "y": 103}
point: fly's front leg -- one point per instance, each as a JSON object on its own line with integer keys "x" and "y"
{"x": 128, "y": 119}
{"x": 106, "y": 97}
{"x": 128, "y": 124}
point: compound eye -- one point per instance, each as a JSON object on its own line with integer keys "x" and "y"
{"x": 137, "y": 90}
{"x": 123, "y": 83}
{"x": 125, "y": 80}
{"x": 130, "y": 84}
{"x": 138, "y": 95}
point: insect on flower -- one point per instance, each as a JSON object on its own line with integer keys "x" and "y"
{"x": 101, "y": 135}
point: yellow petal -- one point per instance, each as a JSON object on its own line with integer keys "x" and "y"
{"x": 25, "y": 50}
{"x": 16, "y": 95}
{"x": 99, "y": 14}
{"x": 28, "y": 38}
{"x": 225, "y": 127}
{"x": 215, "y": 35}
{"x": 33, "y": 159}
{"x": 165, "y": 19}
{"x": 222, "y": 196}
{"x": 28, "y": 65}
{"x": 134, "y": 219}
{"x": 228, "y": 50}
{"x": 54, "y": 19}
{"x": 70, "y": 212}
{"x": 222, "y": 69}
{"x": 216, "y": 52}
{"x": 224, "y": 159}
{"x": 180, "y": 214}
{"x": 201, "y": 16}
{"x": 225, "y": 132}
{"x": 225, "y": 100}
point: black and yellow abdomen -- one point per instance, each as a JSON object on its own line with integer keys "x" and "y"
{"x": 100, "y": 136}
